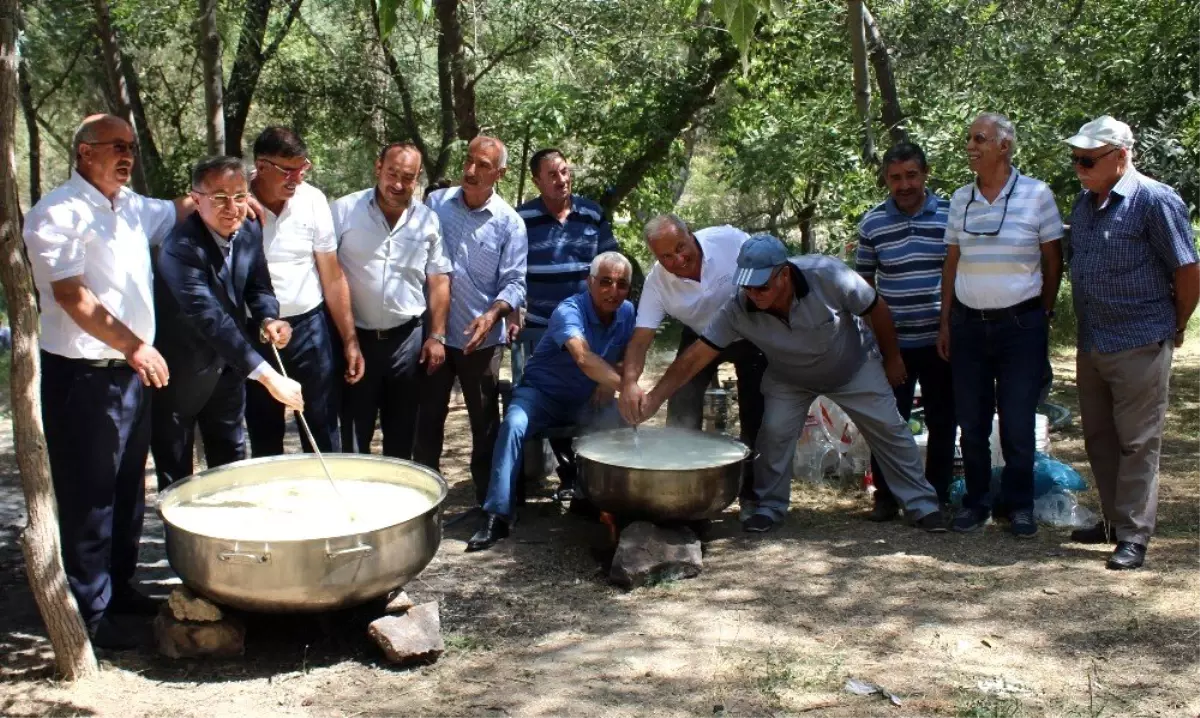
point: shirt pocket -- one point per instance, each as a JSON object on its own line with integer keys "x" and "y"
{"x": 1123, "y": 251}
{"x": 817, "y": 333}
{"x": 483, "y": 263}
{"x": 409, "y": 252}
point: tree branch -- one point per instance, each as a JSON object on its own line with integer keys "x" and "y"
{"x": 293, "y": 11}
{"x": 58, "y": 83}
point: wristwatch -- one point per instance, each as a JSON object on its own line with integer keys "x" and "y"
{"x": 439, "y": 338}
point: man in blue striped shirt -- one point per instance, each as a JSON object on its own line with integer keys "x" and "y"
{"x": 901, "y": 249}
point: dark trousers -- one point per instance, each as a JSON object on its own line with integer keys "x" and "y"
{"x": 562, "y": 446}
{"x": 97, "y": 424}
{"x": 998, "y": 366}
{"x": 388, "y": 389}
{"x": 686, "y": 407}
{"x": 308, "y": 358}
{"x": 937, "y": 395}
{"x": 478, "y": 374}
{"x": 214, "y": 399}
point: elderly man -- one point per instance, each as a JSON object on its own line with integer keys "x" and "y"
{"x": 901, "y": 249}
{"x": 391, "y": 248}
{"x": 301, "y": 254}
{"x": 88, "y": 243}
{"x": 1135, "y": 283}
{"x": 566, "y": 232}
{"x": 571, "y": 378}
{"x": 806, "y": 314}
{"x": 212, "y": 275}
{"x": 691, "y": 280}
{"x": 999, "y": 284}
{"x": 485, "y": 243}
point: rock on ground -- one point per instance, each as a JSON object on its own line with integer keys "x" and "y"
{"x": 187, "y": 606}
{"x": 195, "y": 639}
{"x": 414, "y": 637}
{"x": 399, "y": 603}
{"x": 648, "y": 553}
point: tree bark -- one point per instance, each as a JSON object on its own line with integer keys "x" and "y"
{"x": 885, "y": 79}
{"x": 34, "y": 133}
{"x": 118, "y": 91}
{"x": 214, "y": 77}
{"x": 248, "y": 64}
{"x": 449, "y": 46}
{"x": 856, "y": 24}
{"x": 412, "y": 125}
{"x": 73, "y": 656}
{"x": 521, "y": 173}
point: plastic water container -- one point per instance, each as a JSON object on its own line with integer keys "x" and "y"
{"x": 1041, "y": 437}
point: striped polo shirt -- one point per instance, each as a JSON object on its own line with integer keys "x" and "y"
{"x": 1001, "y": 241}
{"x": 904, "y": 254}
{"x": 561, "y": 254}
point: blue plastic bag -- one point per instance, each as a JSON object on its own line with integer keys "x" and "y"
{"x": 1053, "y": 475}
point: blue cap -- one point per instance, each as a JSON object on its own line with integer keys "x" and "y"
{"x": 758, "y": 258}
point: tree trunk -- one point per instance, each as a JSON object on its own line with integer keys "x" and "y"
{"x": 34, "y": 132}
{"x": 449, "y": 44}
{"x": 73, "y": 655}
{"x": 248, "y": 64}
{"x": 862, "y": 77}
{"x": 214, "y": 77}
{"x": 885, "y": 78}
{"x": 467, "y": 125}
{"x": 118, "y": 92}
{"x": 412, "y": 126}
{"x": 521, "y": 173}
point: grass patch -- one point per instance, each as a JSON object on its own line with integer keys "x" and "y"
{"x": 989, "y": 707}
{"x": 466, "y": 642}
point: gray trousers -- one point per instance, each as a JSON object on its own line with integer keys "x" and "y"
{"x": 867, "y": 398}
{"x": 1123, "y": 407}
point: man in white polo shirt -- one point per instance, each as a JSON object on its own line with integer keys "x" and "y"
{"x": 301, "y": 253}
{"x": 999, "y": 283}
{"x": 691, "y": 281}
{"x": 390, "y": 247}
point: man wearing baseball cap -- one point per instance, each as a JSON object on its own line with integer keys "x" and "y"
{"x": 1135, "y": 282}
{"x": 807, "y": 316}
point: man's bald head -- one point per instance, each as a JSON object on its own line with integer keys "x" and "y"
{"x": 98, "y": 128}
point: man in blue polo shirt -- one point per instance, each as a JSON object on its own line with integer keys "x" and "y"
{"x": 572, "y": 377}
{"x": 901, "y": 249}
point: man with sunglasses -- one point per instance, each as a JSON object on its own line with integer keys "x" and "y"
{"x": 1135, "y": 282}
{"x": 570, "y": 379}
{"x": 212, "y": 293}
{"x": 807, "y": 314}
{"x": 301, "y": 251}
{"x": 88, "y": 243}
{"x": 999, "y": 284}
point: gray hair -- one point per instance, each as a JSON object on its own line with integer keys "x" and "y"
{"x": 218, "y": 165}
{"x": 660, "y": 222}
{"x": 614, "y": 258}
{"x": 493, "y": 142}
{"x": 1005, "y": 130}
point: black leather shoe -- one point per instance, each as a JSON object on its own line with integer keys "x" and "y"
{"x": 112, "y": 634}
{"x": 884, "y": 511}
{"x": 934, "y": 523}
{"x": 1096, "y": 534}
{"x": 490, "y": 531}
{"x": 127, "y": 600}
{"x": 1129, "y": 555}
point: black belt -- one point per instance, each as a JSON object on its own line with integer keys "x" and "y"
{"x": 991, "y": 315}
{"x": 304, "y": 315}
{"x": 382, "y": 334}
{"x": 101, "y": 363}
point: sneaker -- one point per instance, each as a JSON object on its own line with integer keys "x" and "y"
{"x": 758, "y": 524}
{"x": 1021, "y": 523}
{"x": 967, "y": 520}
{"x": 933, "y": 522}
{"x": 746, "y": 509}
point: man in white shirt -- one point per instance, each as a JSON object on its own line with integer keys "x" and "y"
{"x": 88, "y": 243}
{"x": 999, "y": 284}
{"x": 691, "y": 281}
{"x": 390, "y": 247}
{"x": 301, "y": 250}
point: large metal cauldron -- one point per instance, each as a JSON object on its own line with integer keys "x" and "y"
{"x": 313, "y": 574}
{"x": 700, "y": 490}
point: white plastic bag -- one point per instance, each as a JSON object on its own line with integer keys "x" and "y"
{"x": 1059, "y": 508}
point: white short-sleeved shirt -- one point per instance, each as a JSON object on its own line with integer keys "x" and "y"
{"x": 386, "y": 267}
{"x": 997, "y": 271}
{"x": 289, "y": 240}
{"x": 75, "y": 231}
{"x": 691, "y": 302}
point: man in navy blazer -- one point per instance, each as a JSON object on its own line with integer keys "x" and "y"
{"x": 212, "y": 275}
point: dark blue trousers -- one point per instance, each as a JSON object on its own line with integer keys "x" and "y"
{"x": 998, "y": 366}
{"x": 212, "y": 398}
{"x": 309, "y": 359}
{"x": 388, "y": 390}
{"x": 97, "y": 434}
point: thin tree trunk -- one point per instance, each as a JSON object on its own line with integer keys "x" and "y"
{"x": 885, "y": 78}
{"x": 118, "y": 90}
{"x": 467, "y": 125}
{"x": 248, "y": 64}
{"x": 73, "y": 655}
{"x": 449, "y": 41}
{"x": 412, "y": 126}
{"x": 33, "y": 131}
{"x": 862, "y": 78}
{"x": 214, "y": 77}
{"x": 525, "y": 142}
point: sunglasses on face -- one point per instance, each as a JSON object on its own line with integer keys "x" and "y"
{"x": 1089, "y": 162}
{"x": 121, "y": 147}
{"x": 222, "y": 198}
{"x": 291, "y": 172}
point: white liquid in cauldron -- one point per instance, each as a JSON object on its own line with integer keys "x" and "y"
{"x": 298, "y": 509}
{"x": 657, "y": 448}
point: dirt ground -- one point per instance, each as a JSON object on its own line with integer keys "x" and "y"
{"x": 953, "y": 625}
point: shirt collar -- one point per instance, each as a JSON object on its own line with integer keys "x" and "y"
{"x": 404, "y": 216}
{"x": 88, "y": 191}
{"x": 1128, "y": 183}
{"x": 799, "y": 285}
{"x": 458, "y": 197}
{"x": 1013, "y": 175}
{"x": 221, "y": 241}
{"x": 930, "y": 206}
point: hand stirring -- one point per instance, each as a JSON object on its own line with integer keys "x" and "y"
{"x": 312, "y": 442}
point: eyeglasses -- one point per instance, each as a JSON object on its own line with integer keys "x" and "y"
{"x": 1003, "y": 215}
{"x": 766, "y": 285}
{"x": 608, "y": 282}
{"x": 121, "y": 147}
{"x": 290, "y": 172}
{"x": 222, "y": 198}
{"x": 1089, "y": 162}
{"x": 979, "y": 138}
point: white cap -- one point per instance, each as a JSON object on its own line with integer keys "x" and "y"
{"x": 1103, "y": 130}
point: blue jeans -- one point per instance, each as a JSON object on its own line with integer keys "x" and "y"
{"x": 531, "y": 411}
{"x": 998, "y": 366}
